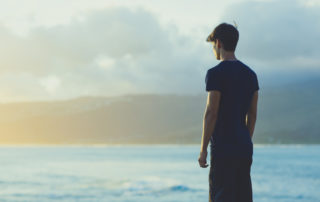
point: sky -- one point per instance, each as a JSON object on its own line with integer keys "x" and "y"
{"x": 52, "y": 50}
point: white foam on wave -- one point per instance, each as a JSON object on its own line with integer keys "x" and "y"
{"x": 150, "y": 185}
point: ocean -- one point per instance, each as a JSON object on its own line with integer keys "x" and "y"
{"x": 280, "y": 173}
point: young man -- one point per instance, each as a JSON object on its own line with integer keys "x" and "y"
{"x": 229, "y": 120}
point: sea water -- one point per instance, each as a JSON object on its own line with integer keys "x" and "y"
{"x": 280, "y": 173}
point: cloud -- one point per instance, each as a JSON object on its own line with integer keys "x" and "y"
{"x": 310, "y": 3}
{"x": 114, "y": 32}
{"x": 276, "y": 33}
{"x": 51, "y": 83}
{"x": 110, "y": 52}
{"x": 123, "y": 50}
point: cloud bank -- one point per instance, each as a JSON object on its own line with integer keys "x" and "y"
{"x": 108, "y": 52}
{"x": 120, "y": 50}
{"x": 278, "y": 35}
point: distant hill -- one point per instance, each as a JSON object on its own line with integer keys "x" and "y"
{"x": 289, "y": 113}
{"x": 286, "y": 114}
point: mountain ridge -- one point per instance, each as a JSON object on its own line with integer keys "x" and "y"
{"x": 286, "y": 114}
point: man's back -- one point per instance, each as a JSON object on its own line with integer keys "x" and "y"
{"x": 229, "y": 120}
{"x": 237, "y": 84}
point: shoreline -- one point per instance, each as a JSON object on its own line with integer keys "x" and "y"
{"x": 147, "y": 145}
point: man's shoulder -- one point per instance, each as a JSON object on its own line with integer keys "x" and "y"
{"x": 215, "y": 69}
{"x": 219, "y": 68}
{"x": 249, "y": 69}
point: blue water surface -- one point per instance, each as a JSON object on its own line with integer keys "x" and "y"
{"x": 280, "y": 173}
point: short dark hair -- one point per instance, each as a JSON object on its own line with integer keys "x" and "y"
{"x": 227, "y": 34}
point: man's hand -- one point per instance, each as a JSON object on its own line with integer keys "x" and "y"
{"x": 203, "y": 159}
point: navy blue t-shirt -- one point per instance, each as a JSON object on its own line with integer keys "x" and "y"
{"x": 237, "y": 83}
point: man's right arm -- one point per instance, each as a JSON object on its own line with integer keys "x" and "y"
{"x": 252, "y": 113}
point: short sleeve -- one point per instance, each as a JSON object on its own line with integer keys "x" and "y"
{"x": 255, "y": 82}
{"x": 213, "y": 81}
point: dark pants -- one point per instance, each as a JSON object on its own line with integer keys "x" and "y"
{"x": 230, "y": 180}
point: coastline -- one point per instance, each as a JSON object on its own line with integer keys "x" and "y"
{"x": 148, "y": 145}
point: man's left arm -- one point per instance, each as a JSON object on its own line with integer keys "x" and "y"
{"x": 209, "y": 122}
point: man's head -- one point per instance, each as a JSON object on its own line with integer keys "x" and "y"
{"x": 225, "y": 37}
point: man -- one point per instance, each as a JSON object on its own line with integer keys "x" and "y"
{"x": 229, "y": 120}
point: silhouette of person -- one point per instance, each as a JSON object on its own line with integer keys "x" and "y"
{"x": 229, "y": 120}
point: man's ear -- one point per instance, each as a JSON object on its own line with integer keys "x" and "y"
{"x": 219, "y": 44}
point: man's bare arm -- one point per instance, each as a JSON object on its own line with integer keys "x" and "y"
{"x": 210, "y": 118}
{"x": 252, "y": 114}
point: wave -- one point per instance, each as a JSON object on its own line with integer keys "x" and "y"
{"x": 152, "y": 186}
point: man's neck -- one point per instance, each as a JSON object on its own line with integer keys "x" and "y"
{"x": 227, "y": 55}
